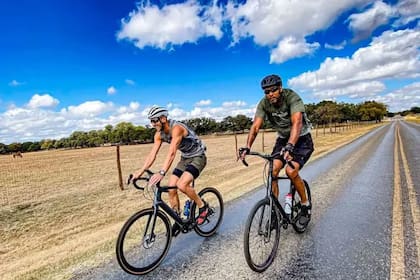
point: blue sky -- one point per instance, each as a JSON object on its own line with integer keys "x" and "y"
{"x": 79, "y": 65}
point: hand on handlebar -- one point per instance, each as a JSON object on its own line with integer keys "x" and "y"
{"x": 155, "y": 179}
{"x": 287, "y": 152}
{"x": 242, "y": 152}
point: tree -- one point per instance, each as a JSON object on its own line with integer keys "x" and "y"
{"x": 47, "y": 144}
{"x": 15, "y": 147}
{"x": 327, "y": 112}
{"x": 372, "y": 110}
{"x": 34, "y": 147}
{"x": 348, "y": 111}
{"x": 4, "y": 149}
{"x": 78, "y": 139}
{"x": 415, "y": 110}
{"x": 25, "y": 146}
{"x": 202, "y": 125}
{"x": 238, "y": 123}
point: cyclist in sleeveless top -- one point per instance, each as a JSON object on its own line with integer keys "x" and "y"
{"x": 193, "y": 159}
{"x": 285, "y": 110}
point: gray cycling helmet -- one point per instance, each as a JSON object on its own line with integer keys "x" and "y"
{"x": 157, "y": 111}
{"x": 271, "y": 80}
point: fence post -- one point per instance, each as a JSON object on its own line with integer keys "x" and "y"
{"x": 236, "y": 146}
{"x": 119, "y": 168}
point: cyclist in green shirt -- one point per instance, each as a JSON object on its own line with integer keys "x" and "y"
{"x": 285, "y": 110}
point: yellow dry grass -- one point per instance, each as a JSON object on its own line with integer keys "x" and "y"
{"x": 61, "y": 211}
{"x": 413, "y": 118}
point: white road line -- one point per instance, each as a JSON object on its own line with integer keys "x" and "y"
{"x": 397, "y": 270}
{"x": 412, "y": 199}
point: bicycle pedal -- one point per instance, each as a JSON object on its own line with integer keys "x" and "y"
{"x": 285, "y": 225}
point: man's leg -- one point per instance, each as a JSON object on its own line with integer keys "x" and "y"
{"x": 293, "y": 174}
{"x": 277, "y": 166}
{"x": 173, "y": 194}
{"x": 184, "y": 184}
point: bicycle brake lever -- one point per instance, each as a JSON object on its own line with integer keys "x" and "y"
{"x": 129, "y": 179}
{"x": 245, "y": 163}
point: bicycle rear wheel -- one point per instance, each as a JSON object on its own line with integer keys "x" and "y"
{"x": 296, "y": 205}
{"x": 140, "y": 246}
{"x": 215, "y": 201}
{"x": 262, "y": 234}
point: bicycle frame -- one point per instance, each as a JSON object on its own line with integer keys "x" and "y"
{"x": 269, "y": 191}
{"x": 159, "y": 203}
{"x": 270, "y": 195}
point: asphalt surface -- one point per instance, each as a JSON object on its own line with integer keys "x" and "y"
{"x": 350, "y": 234}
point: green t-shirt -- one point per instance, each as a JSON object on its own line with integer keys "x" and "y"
{"x": 280, "y": 115}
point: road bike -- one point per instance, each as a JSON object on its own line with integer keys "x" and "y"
{"x": 262, "y": 229}
{"x": 145, "y": 238}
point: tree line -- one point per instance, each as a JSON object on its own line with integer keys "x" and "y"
{"x": 126, "y": 133}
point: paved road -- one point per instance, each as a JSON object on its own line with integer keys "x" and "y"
{"x": 365, "y": 221}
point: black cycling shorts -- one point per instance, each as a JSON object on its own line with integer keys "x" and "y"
{"x": 192, "y": 165}
{"x": 302, "y": 151}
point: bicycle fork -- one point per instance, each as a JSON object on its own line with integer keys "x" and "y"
{"x": 149, "y": 238}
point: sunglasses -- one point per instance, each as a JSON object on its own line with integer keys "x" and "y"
{"x": 155, "y": 120}
{"x": 273, "y": 89}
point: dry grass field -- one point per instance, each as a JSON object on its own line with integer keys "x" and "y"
{"x": 413, "y": 118}
{"x": 61, "y": 211}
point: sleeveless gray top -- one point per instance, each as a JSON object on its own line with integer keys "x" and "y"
{"x": 190, "y": 146}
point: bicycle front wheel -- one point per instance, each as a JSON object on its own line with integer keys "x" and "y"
{"x": 262, "y": 234}
{"x": 143, "y": 242}
{"x": 214, "y": 199}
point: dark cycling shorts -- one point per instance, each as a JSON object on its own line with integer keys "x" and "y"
{"x": 302, "y": 152}
{"x": 192, "y": 165}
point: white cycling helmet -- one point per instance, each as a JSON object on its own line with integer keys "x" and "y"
{"x": 157, "y": 111}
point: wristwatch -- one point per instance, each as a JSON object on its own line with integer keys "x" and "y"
{"x": 162, "y": 172}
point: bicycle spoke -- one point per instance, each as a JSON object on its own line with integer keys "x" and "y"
{"x": 261, "y": 237}
{"x": 141, "y": 247}
{"x": 215, "y": 202}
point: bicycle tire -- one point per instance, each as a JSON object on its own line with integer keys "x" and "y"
{"x": 299, "y": 228}
{"x": 129, "y": 250}
{"x": 215, "y": 200}
{"x": 262, "y": 206}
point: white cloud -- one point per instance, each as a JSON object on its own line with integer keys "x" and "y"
{"x": 238, "y": 103}
{"x": 130, "y": 82}
{"x": 134, "y": 106}
{"x": 170, "y": 25}
{"x": 402, "y": 99}
{"x": 203, "y": 103}
{"x": 409, "y": 10}
{"x": 355, "y": 91}
{"x": 291, "y": 47}
{"x": 111, "y": 90}
{"x": 33, "y": 124}
{"x": 15, "y": 83}
{"x": 336, "y": 47}
{"x": 391, "y": 55}
{"x": 363, "y": 24}
{"x": 267, "y": 21}
{"x": 45, "y": 100}
{"x": 270, "y": 23}
{"x": 90, "y": 108}
{"x": 231, "y": 108}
